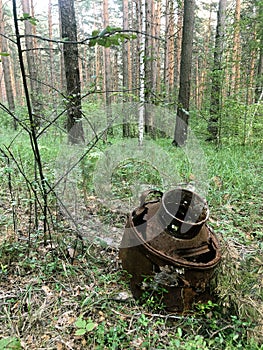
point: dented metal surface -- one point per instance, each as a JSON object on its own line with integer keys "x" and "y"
{"x": 167, "y": 241}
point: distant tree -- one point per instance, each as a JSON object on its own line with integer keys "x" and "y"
{"x": 178, "y": 46}
{"x": 169, "y": 59}
{"x": 215, "y": 100}
{"x": 51, "y": 51}
{"x": 32, "y": 64}
{"x": 6, "y": 65}
{"x": 205, "y": 58}
{"x": 126, "y": 64}
{"x": 236, "y": 49}
{"x": 148, "y": 57}
{"x": 182, "y": 116}
{"x": 141, "y": 5}
{"x": 107, "y": 68}
{"x": 136, "y": 46}
{"x": 71, "y": 64}
{"x": 156, "y": 62}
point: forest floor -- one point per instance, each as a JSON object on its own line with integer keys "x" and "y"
{"x": 68, "y": 293}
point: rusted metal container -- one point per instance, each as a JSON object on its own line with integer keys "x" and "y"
{"x": 167, "y": 241}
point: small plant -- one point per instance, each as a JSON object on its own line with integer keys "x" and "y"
{"x": 10, "y": 343}
{"x": 206, "y": 307}
{"x": 84, "y": 326}
{"x": 152, "y": 297}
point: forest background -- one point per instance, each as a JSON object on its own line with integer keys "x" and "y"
{"x": 81, "y": 83}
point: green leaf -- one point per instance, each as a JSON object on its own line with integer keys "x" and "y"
{"x": 4, "y": 54}
{"x": 109, "y": 36}
{"x": 28, "y": 17}
{"x": 92, "y": 42}
{"x": 90, "y": 326}
{"x": 179, "y": 332}
{"x": 80, "y": 323}
{"x": 95, "y": 32}
{"x": 80, "y": 331}
{"x": 25, "y": 16}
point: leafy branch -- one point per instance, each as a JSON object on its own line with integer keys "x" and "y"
{"x": 110, "y": 36}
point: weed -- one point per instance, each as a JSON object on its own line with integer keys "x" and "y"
{"x": 84, "y": 326}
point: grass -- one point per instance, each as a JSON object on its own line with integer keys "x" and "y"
{"x": 50, "y": 300}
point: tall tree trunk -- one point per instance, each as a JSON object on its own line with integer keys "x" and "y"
{"x": 142, "y": 26}
{"x": 32, "y": 65}
{"x": 51, "y": 49}
{"x": 170, "y": 56}
{"x": 203, "y": 82}
{"x": 98, "y": 64}
{"x": 155, "y": 47}
{"x": 6, "y": 66}
{"x": 71, "y": 64}
{"x": 136, "y": 48}
{"x": 178, "y": 47}
{"x": 157, "y": 59}
{"x": 125, "y": 65}
{"x": 236, "y": 48}
{"x": 251, "y": 73}
{"x": 107, "y": 69}
{"x": 148, "y": 64}
{"x": 182, "y": 116}
{"x": 215, "y": 99}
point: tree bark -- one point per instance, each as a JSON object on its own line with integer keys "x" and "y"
{"x": 182, "y": 117}
{"x": 71, "y": 64}
{"x": 170, "y": 56}
{"x": 6, "y": 66}
{"x": 157, "y": 59}
{"x": 125, "y": 66}
{"x": 148, "y": 74}
{"x": 178, "y": 47}
{"x": 215, "y": 99}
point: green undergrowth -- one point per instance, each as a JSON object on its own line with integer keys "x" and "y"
{"x": 48, "y": 302}
{"x": 68, "y": 293}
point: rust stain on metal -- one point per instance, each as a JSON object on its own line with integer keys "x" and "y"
{"x": 167, "y": 239}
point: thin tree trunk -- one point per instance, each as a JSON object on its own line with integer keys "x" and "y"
{"x": 148, "y": 65}
{"x": 32, "y": 65}
{"x": 141, "y": 121}
{"x": 259, "y": 79}
{"x": 107, "y": 70}
{"x": 125, "y": 66}
{"x": 157, "y": 58}
{"x": 6, "y": 66}
{"x": 204, "y": 83}
{"x": 51, "y": 49}
{"x": 115, "y": 74}
{"x": 170, "y": 50}
{"x": 236, "y": 49}
{"x": 252, "y": 67}
{"x": 136, "y": 48}
{"x": 178, "y": 47}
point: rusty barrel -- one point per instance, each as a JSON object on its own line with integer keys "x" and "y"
{"x": 167, "y": 241}
{"x": 183, "y": 212}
